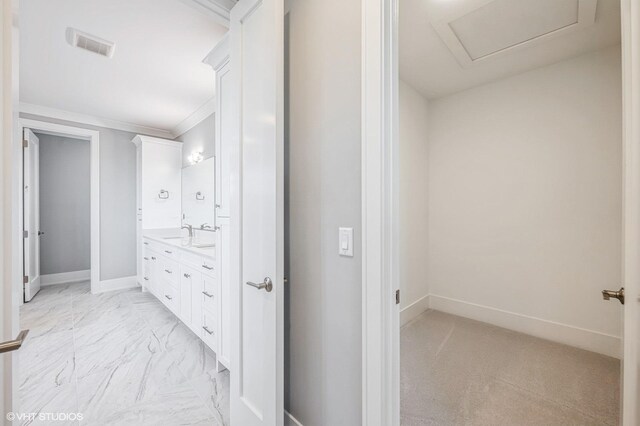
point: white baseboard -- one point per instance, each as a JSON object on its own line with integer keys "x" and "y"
{"x": 289, "y": 420}
{"x": 590, "y": 340}
{"x": 118, "y": 284}
{"x": 414, "y": 309}
{"x": 65, "y": 277}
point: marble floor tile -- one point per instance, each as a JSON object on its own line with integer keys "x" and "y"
{"x": 47, "y": 361}
{"x": 50, "y": 401}
{"x": 213, "y": 387}
{"x": 192, "y": 356}
{"x": 117, "y": 358}
{"x": 457, "y": 371}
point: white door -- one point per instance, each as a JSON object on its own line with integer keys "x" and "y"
{"x": 257, "y": 379}
{"x": 31, "y": 199}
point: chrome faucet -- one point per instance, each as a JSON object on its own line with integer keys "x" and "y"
{"x": 189, "y": 227}
{"x": 205, "y": 226}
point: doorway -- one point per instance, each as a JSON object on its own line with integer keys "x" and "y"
{"x": 511, "y": 212}
{"x": 57, "y": 248}
{"x": 87, "y": 246}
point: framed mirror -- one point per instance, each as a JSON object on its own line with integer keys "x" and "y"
{"x": 198, "y": 194}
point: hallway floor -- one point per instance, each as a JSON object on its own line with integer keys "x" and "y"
{"x": 456, "y": 371}
{"x": 118, "y": 358}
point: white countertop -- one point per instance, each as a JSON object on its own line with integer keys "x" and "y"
{"x": 174, "y": 237}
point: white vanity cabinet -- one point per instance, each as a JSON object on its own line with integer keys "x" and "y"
{"x": 187, "y": 282}
{"x": 158, "y": 188}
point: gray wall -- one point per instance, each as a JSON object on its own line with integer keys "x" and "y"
{"x": 323, "y": 379}
{"x": 65, "y": 207}
{"x": 117, "y": 199}
{"x": 201, "y": 137}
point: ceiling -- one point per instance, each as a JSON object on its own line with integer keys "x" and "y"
{"x": 155, "y": 78}
{"x": 447, "y": 46}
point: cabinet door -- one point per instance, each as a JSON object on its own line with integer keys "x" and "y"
{"x": 189, "y": 279}
{"x": 146, "y": 270}
{"x": 154, "y": 277}
{"x": 224, "y": 135}
{"x": 209, "y": 334}
{"x": 161, "y": 185}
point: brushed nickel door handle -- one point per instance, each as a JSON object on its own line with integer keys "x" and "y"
{"x": 266, "y": 285}
{"x": 608, "y": 294}
{"x": 15, "y": 344}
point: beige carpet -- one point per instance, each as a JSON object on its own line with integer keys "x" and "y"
{"x": 456, "y": 371}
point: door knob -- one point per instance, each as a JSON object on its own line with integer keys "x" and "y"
{"x": 13, "y": 345}
{"x": 266, "y": 284}
{"x": 608, "y": 294}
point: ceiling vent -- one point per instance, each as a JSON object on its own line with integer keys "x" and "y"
{"x": 90, "y": 42}
{"x": 499, "y": 27}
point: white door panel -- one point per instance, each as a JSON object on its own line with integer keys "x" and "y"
{"x": 31, "y": 215}
{"x": 257, "y": 349}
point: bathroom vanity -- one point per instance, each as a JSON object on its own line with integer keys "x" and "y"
{"x": 182, "y": 251}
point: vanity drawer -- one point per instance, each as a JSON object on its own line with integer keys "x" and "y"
{"x": 171, "y": 298}
{"x": 209, "y": 294}
{"x": 209, "y": 331}
{"x": 170, "y": 252}
{"x": 170, "y": 271}
{"x": 207, "y": 266}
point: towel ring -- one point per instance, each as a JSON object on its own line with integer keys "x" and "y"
{"x": 163, "y": 194}
{"x": 199, "y": 196}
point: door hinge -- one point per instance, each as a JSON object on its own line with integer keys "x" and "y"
{"x": 25, "y": 279}
{"x": 25, "y": 143}
{"x": 398, "y": 297}
{"x": 25, "y": 234}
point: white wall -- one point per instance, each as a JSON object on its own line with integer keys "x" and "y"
{"x": 323, "y": 382}
{"x": 413, "y": 202}
{"x": 65, "y": 204}
{"x": 525, "y": 180}
{"x": 117, "y": 199}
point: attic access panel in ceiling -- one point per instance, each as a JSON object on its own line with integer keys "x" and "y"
{"x": 502, "y": 26}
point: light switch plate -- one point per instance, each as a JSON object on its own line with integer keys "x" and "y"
{"x": 345, "y": 242}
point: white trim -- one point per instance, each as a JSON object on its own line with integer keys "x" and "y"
{"x": 118, "y": 284}
{"x": 380, "y": 314}
{"x": 292, "y": 421}
{"x": 65, "y": 277}
{"x": 92, "y": 120}
{"x": 220, "y": 10}
{"x": 195, "y": 118}
{"x": 414, "y": 309}
{"x": 219, "y": 55}
{"x": 94, "y": 139}
{"x": 590, "y": 340}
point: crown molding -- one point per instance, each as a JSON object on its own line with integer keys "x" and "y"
{"x": 195, "y": 118}
{"x": 220, "y": 10}
{"x": 91, "y": 120}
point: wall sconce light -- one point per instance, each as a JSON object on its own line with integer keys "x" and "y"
{"x": 195, "y": 157}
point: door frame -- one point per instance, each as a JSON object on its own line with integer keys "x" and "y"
{"x": 380, "y": 207}
{"x": 380, "y": 321}
{"x": 91, "y": 136}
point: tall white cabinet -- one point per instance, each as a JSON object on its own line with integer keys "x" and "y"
{"x": 158, "y": 188}
{"x": 218, "y": 58}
